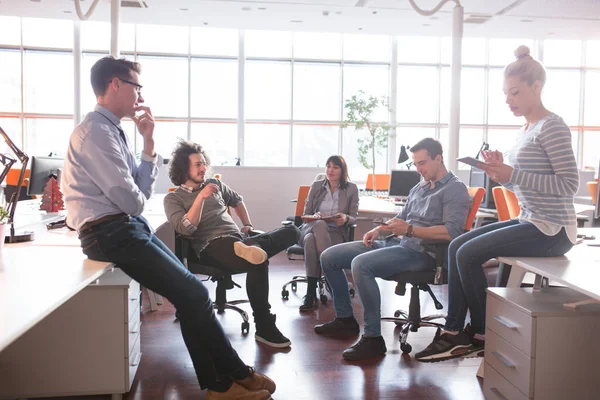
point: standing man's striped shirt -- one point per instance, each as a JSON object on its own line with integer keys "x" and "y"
{"x": 545, "y": 176}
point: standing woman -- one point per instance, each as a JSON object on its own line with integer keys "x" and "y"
{"x": 332, "y": 195}
{"x": 542, "y": 172}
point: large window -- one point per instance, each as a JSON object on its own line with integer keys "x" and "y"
{"x": 293, "y": 86}
{"x": 317, "y": 91}
{"x": 166, "y": 82}
{"x": 267, "y": 144}
{"x": 313, "y": 144}
{"x": 10, "y": 81}
{"x": 561, "y": 94}
{"x": 214, "y": 85}
{"x": 418, "y": 94}
{"x": 48, "y": 82}
{"x": 268, "y": 90}
{"x": 44, "y": 136}
{"x": 218, "y": 139}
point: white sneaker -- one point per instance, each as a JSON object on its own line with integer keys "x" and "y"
{"x": 252, "y": 254}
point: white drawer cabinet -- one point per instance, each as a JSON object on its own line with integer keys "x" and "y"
{"x": 538, "y": 349}
{"x": 89, "y": 345}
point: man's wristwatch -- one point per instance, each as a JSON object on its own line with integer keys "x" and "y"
{"x": 409, "y": 231}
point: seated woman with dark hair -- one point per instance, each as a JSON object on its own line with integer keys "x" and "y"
{"x": 333, "y": 196}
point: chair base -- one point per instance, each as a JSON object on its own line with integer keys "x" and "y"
{"x": 400, "y": 318}
{"x": 411, "y": 321}
{"x": 230, "y": 305}
{"x": 321, "y": 284}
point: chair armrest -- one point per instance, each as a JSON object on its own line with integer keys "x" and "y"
{"x": 182, "y": 247}
{"x": 351, "y": 229}
{"x": 287, "y": 222}
{"x": 440, "y": 248}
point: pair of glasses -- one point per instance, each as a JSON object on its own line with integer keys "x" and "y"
{"x": 138, "y": 87}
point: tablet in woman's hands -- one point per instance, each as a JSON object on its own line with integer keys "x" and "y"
{"x": 470, "y": 161}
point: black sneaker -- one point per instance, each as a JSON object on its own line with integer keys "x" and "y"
{"x": 446, "y": 346}
{"x": 267, "y": 333}
{"x": 339, "y": 326}
{"x": 309, "y": 303}
{"x": 365, "y": 348}
{"x": 478, "y": 345}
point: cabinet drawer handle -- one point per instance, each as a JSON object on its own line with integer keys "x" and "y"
{"x": 136, "y": 360}
{"x": 506, "y": 323}
{"x": 136, "y": 328}
{"x": 507, "y": 363}
{"x": 136, "y": 296}
{"x": 498, "y": 393}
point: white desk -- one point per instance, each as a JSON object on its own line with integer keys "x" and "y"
{"x": 553, "y": 268}
{"x": 35, "y": 283}
{"x": 37, "y": 278}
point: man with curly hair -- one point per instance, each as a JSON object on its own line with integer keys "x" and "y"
{"x": 198, "y": 208}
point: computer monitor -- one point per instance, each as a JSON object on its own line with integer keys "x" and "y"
{"x": 402, "y": 181}
{"x": 42, "y": 168}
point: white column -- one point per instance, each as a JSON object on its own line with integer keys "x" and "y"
{"x": 77, "y": 71}
{"x": 455, "y": 71}
{"x": 392, "y": 141}
{"x": 241, "y": 82}
{"x": 115, "y": 12}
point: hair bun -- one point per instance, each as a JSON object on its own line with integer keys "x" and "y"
{"x": 522, "y": 52}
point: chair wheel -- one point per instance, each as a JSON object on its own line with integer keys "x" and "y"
{"x": 294, "y": 286}
{"x": 245, "y": 327}
{"x": 352, "y": 292}
{"x": 406, "y": 348}
{"x": 396, "y": 313}
{"x": 323, "y": 299}
{"x": 285, "y": 294}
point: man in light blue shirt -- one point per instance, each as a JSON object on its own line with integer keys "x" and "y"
{"x": 105, "y": 192}
{"x": 436, "y": 209}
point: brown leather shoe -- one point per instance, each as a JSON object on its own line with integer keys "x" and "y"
{"x": 238, "y": 392}
{"x": 258, "y": 381}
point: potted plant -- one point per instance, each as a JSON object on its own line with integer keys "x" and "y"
{"x": 359, "y": 113}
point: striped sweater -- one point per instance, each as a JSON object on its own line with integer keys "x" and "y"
{"x": 545, "y": 176}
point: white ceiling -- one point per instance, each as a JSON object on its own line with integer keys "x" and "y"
{"x": 577, "y": 19}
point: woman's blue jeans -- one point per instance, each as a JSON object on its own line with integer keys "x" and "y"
{"x": 466, "y": 280}
{"x": 129, "y": 243}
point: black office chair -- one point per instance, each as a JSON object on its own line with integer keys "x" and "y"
{"x": 420, "y": 280}
{"x": 185, "y": 253}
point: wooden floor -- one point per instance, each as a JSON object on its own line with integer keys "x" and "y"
{"x": 313, "y": 368}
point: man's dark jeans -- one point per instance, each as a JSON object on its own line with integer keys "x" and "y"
{"x": 129, "y": 243}
{"x": 219, "y": 254}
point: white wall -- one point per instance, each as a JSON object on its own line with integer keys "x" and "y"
{"x": 267, "y": 191}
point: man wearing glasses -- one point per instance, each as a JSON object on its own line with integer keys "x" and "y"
{"x": 105, "y": 193}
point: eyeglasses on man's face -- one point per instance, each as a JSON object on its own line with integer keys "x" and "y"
{"x": 138, "y": 87}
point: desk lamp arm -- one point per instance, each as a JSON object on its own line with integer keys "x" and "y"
{"x": 15, "y": 198}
